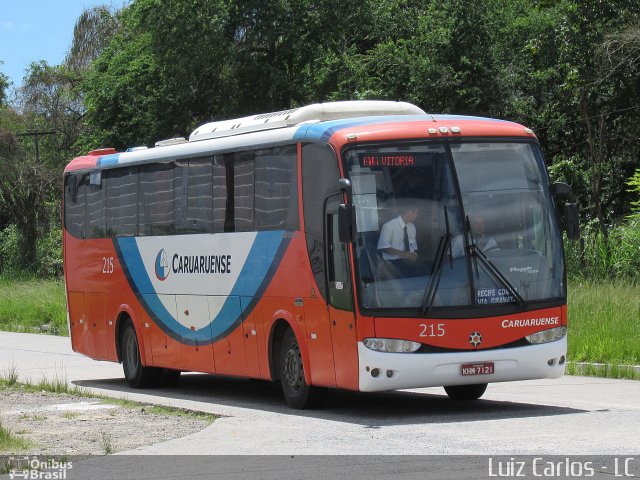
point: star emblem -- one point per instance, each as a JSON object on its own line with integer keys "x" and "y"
{"x": 475, "y": 339}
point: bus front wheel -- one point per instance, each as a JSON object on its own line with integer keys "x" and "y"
{"x": 136, "y": 375}
{"x": 466, "y": 392}
{"x": 297, "y": 392}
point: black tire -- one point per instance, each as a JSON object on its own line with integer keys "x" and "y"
{"x": 297, "y": 392}
{"x": 136, "y": 375}
{"x": 466, "y": 392}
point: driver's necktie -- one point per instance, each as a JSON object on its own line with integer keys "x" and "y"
{"x": 406, "y": 239}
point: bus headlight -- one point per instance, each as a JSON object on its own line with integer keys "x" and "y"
{"x": 547, "y": 336}
{"x": 391, "y": 345}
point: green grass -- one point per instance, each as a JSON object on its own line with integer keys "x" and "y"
{"x": 59, "y": 385}
{"x": 33, "y": 305}
{"x": 159, "y": 409}
{"x": 107, "y": 444}
{"x": 10, "y": 442}
{"x": 9, "y": 379}
{"x": 603, "y": 370}
{"x": 10, "y": 375}
{"x": 604, "y": 322}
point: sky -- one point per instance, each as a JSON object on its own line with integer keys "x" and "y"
{"x": 34, "y": 30}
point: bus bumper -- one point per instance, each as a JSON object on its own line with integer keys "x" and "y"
{"x": 415, "y": 370}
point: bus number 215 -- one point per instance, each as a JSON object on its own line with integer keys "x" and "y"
{"x": 107, "y": 264}
{"x": 432, "y": 330}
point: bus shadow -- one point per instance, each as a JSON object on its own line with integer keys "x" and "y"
{"x": 371, "y": 410}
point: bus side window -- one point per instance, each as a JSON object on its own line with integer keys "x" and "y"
{"x": 340, "y": 295}
{"x": 320, "y": 176}
{"x": 122, "y": 201}
{"x": 96, "y": 218}
{"x": 157, "y": 203}
{"x": 276, "y": 193}
{"x": 74, "y": 204}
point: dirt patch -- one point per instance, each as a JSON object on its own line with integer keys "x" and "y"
{"x": 62, "y": 424}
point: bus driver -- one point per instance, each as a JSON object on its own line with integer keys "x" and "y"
{"x": 483, "y": 241}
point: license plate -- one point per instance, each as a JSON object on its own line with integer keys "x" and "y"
{"x": 485, "y": 368}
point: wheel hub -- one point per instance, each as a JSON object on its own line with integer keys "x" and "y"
{"x": 293, "y": 372}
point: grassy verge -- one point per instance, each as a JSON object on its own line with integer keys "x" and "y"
{"x": 612, "y": 370}
{"x": 9, "y": 381}
{"x": 10, "y": 442}
{"x": 604, "y": 324}
{"x": 33, "y": 305}
{"x": 159, "y": 409}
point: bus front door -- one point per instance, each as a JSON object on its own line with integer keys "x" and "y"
{"x": 340, "y": 293}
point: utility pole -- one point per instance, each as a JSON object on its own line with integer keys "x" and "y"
{"x": 36, "y": 134}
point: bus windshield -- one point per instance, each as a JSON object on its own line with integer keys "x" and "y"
{"x": 453, "y": 225}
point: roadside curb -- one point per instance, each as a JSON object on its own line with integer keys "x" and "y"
{"x": 586, "y": 368}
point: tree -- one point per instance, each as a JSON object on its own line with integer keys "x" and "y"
{"x": 634, "y": 184}
{"x": 4, "y": 84}
{"x": 568, "y": 69}
{"x": 38, "y": 138}
{"x": 148, "y": 84}
{"x": 176, "y": 64}
{"x": 25, "y": 187}
{"x": 49, "y": 100}
{"x": 92, "y": 32}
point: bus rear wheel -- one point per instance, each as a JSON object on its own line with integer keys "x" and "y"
{"x": 297, "y": 392}
{"x": 136, "y": 375}
{"x": 466, "y": 392}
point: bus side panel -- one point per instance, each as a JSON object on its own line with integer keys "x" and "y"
{"x": 320, "y": 344}
{"x": 96, "y": 327}
{"x": 250, "y": 331}
{"x": 345, "y": 351}
{"x": 109, "y": 332}
{"x": 192, "y": 313}
{"x": 166, "y": 352}
{"x": 263, "y": 326}
{"x": 77, "y": 324}
{"x": 229, "y": 351}
{"x": 92, "y": 271}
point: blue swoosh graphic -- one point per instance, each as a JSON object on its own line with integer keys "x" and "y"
{"x": 264, "y": 257}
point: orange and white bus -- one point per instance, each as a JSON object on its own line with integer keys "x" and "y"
{"x": 259, "y": 248}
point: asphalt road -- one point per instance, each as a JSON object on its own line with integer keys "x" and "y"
{"x": 569, "y": 416}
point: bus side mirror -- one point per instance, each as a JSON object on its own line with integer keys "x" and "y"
{"x": 562, "y": 189}
{"x": 345, "y": 186}
{"x": 572, "y": 221}
{"x": 571, "y": 217}
{"x": 346, "y": 223}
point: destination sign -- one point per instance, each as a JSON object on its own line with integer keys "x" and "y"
{"x": 399, "y": 160}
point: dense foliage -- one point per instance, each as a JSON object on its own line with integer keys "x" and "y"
{"x": 568, "y": 69}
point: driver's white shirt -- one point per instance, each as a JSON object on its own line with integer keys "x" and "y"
{"x": 484, "y": 242}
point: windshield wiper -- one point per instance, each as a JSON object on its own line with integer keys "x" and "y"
{"x": 443, "y": 246}
{"x": 474, "y": 251}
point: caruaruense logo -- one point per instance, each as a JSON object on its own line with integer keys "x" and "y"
{"x": 162, "y": 266}
{"x": 191, "y": 264}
